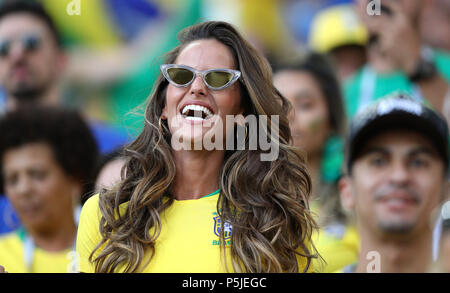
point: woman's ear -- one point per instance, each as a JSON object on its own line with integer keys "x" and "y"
{"x": 346, "y": 194}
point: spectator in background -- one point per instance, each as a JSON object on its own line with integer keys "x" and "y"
{"x": 445, "y": 247}
{"x": 339, "y": 32}
{"x": 317, "y": 123}
{"x": 48, "y": 160}
{"x": 110, "y": 169}
{"x": 435, "y": 25}
{"x": 445, "y": 242}
{"x": 397, "y": 164}
{"x": 442, "y": 264}
{"x": 318, "y": 126}
{"x": 398, "y": 59}
{"x": 32, "y": 62}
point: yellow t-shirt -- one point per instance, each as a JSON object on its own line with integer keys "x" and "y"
{"x": 338, "y": 245}
{"x": 13, "y": 259}
{"x": 188, "y": 242}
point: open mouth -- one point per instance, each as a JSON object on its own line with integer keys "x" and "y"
{"x": 196, "y": 113}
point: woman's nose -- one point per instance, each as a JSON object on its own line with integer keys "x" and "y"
{"x": 198, "y": 86}
{"x": 23, "y": 186}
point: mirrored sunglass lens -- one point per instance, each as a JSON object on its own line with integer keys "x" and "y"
{"x": 31, "y": 43}
{"x": 180, "y": 76}
{"x": 218, "y": 78}
{"x": 4, "y": 49}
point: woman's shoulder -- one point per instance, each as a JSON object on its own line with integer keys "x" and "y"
{"x": 11, "y": 248}
{"x": 10, "y": 238}
{"x": 91, "y": 207}
{"x": 88, "y": 235}
{"x": 90, "y": 213}
{"x": 92, "y": 202}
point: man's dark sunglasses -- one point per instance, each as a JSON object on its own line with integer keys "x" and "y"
{"x": 29, "y": 43}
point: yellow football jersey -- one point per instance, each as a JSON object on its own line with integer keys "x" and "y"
{"x": 12, "y": 257}
{"x": 338, "y": 245}
{"x": 188, "y": 242}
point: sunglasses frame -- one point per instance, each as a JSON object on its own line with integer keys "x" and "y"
{"x": 236, "y": 74}
{"x": 22, "y": 40}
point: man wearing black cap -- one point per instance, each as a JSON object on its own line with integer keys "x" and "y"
{"x": 397, "y": 161}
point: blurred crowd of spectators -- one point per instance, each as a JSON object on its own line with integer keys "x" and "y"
{"x": 331, "y": 60}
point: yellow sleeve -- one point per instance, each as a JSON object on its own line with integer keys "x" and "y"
{"x": 337, "y": 250}
{"x": 88, "y": 235}
{"x": 303, "y": 262}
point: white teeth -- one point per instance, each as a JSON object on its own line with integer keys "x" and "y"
{"x": 196, "y": 108}
{"x": 193, "y": 118}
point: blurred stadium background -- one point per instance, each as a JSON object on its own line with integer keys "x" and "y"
{"x": 115, "y": 46}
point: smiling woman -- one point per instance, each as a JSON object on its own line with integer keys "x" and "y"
{"x": 203, "y": 210}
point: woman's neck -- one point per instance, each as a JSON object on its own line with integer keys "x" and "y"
{"x": 60, "y": 236}
{"x": 197, "y": 173}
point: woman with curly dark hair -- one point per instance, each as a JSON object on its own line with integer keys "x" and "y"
{"x": 318, "y": 126}
{"x": 48, "y": 160}
{"x": 206, "y": 209}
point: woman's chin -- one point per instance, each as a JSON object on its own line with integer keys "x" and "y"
{"x": 206, "y": 140}
{"x": 198, "y": 135}
{"x": 188, "y": 139}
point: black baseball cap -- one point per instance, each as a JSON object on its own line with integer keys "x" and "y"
{"x": 397, "y": 111}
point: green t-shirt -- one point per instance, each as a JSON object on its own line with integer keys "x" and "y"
{"x": 366, "y": 86}
{"x": 332, "y": 159}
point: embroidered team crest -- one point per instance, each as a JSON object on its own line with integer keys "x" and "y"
{"x": 226, "y": 227}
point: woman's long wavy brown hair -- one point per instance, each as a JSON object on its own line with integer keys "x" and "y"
{"x": 266, "y": 202}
